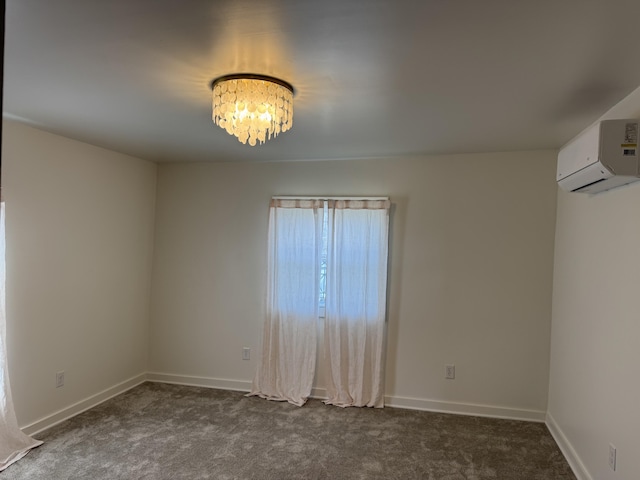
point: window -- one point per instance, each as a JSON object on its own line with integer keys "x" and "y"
{"x": 327, "y": 258}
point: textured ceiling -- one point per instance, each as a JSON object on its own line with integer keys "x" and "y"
{"x": 373, "y": 78}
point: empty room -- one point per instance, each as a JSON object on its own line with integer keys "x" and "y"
{"x": 355, "y": 239}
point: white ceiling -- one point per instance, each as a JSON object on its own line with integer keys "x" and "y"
{"x": 373, "y": 77}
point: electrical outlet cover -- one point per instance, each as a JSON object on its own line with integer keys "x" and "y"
{"x": 449, "y": 372}
{"x": 612, "y": 457}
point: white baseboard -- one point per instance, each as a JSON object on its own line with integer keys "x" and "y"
{"x": 319, "y": 393}
{"x": 391, "y": 401}
{"x": 245, "y": 386}
{"x": 477, "y": 410}
{"x": 83, "y": 405}
{"x": 579, "y": 470}
{"x": 195, "y": 381}
{"x": 220, "y": 383}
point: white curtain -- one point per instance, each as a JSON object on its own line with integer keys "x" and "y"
{"x": 13, "y": 443}
{"x": 287, "y": 365}
{"x": 354, "y": 325}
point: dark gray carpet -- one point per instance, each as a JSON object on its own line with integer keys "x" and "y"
{"x": 159, "y": 431}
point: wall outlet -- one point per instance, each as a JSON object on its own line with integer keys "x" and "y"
{"x": 449, "y": 372}
{"x": 612, "y": 457}
{"x": 246, "y": 353}
{"x": 59, "y": 379}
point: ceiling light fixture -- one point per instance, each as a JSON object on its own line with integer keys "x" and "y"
{"x": 254, "y": 108}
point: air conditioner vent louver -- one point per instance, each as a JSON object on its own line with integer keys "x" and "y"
{"x": 603, "y": 157}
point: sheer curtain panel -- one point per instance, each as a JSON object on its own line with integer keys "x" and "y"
{"x": 13, "y": 443}
{"x": 356, "y": 292}
{"x": 287, "y": 365}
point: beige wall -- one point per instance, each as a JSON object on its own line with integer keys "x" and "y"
{"x": 595, "y": 364}
{"x": 470, "y": 271}
{"x": 79, "y": 250}
{"x": 594, "y": 388}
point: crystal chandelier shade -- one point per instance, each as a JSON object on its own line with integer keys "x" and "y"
{"x": 254, "y": 108}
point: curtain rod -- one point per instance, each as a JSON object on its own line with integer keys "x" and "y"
{"x": 293, "y": 197}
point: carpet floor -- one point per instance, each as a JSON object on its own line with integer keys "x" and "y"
{"x": 159, "y": 431}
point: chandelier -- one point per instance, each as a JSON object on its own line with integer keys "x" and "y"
{"x": 254, "y": 108}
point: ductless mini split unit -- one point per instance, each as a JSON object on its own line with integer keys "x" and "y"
{"x": 603, "y": 157}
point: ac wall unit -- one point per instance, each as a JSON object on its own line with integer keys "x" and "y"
{"x": 602, "y": 157}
